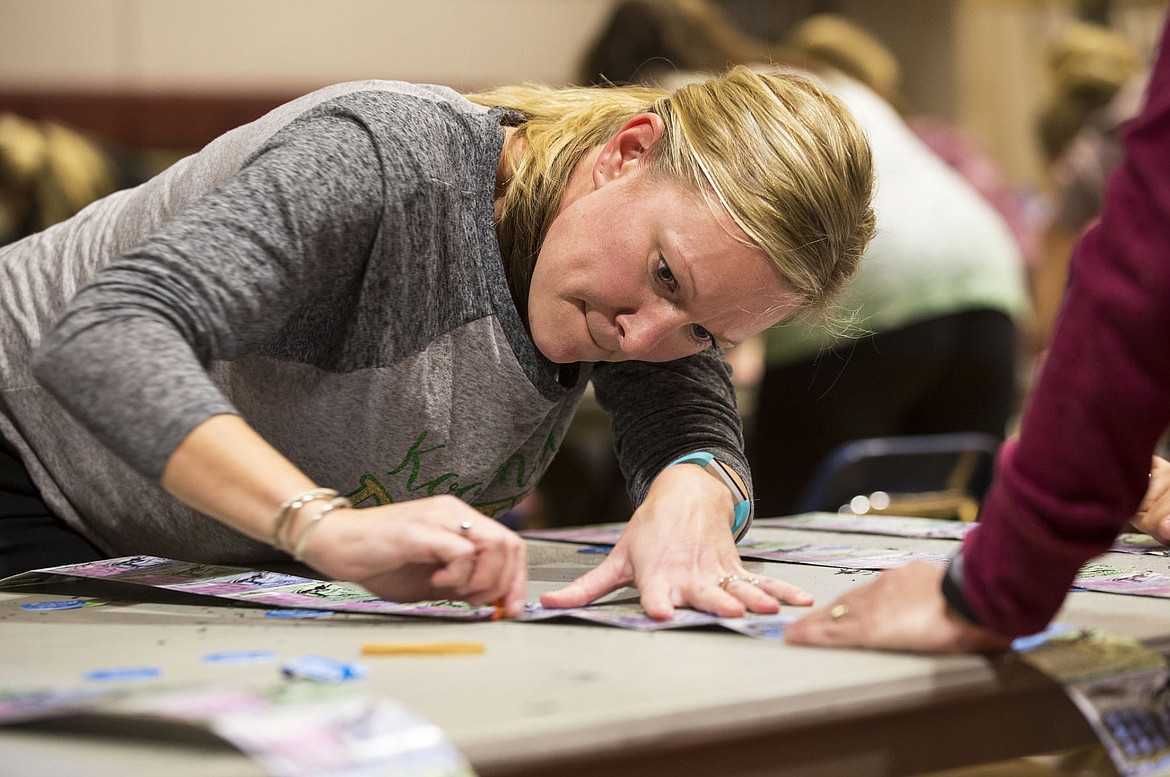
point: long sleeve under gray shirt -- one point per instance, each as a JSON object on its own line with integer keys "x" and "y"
{"x": 330, "y": 273}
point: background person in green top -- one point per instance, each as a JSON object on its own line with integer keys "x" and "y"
{"x": 929, "y": 341}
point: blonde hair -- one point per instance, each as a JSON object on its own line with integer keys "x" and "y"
{"x": 1087, "y": 66}
{"x": 48, "y": 172}
{"x": 780, "y": 154}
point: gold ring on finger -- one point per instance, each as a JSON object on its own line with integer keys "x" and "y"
{"x": 727, "y": 580}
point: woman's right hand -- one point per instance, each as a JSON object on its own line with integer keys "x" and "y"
{"x": 403, "y": 552}
{"x": 416, "y": 550}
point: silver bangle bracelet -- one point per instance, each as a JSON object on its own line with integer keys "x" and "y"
{"x": 288, "y": 509}
{"x": 303, "y": 542}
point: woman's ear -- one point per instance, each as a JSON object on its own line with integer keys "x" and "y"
{"x": 626, "y": 150}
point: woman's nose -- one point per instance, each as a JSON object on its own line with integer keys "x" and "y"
{"x": 651, "y": 333}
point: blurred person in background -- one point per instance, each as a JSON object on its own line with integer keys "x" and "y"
{"x": 1097, "y": 82}
{"x": 1080, "y": 470}
{"x": 48, "y": 172}
{"x": 936, "y": 303}
{"x": 851, "y": 49}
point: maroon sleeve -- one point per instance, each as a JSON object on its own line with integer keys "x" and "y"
{"x": 1080, "y": 467}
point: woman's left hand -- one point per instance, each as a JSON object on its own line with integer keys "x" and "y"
{"x": 678, "y": 551}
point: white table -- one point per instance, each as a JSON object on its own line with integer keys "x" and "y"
{"x": 567, "y": 698}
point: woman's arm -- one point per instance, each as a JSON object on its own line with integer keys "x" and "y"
{"x": 678, "y": 548}
{"x": 230, "y": 276}
{"x": 678, "y": 551}
{"x": 130, "y": 356}
{"x": 410, "y": 551}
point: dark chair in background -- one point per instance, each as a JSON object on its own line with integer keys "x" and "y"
{"x": 927, "y": 475}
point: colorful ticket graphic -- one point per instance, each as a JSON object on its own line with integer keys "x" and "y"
{"x": 290, "y": 591}
{"x": 270, "y": 589}
{"x": 1123, "y": 690}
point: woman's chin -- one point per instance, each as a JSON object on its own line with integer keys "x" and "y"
{"x": 557, "y": 352}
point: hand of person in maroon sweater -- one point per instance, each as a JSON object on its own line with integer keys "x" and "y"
{"x": 1153, "y": 516}
{"x": 903, "y": 609}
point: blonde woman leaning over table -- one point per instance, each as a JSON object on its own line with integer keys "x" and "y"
{"x": 356, "y": 329}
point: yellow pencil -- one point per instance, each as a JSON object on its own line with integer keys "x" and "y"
{"x": 420, "y": 648}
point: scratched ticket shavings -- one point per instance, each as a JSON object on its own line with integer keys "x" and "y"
{"x": 1123, "y": 690}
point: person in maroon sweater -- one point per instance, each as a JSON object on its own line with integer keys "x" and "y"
{"x": 1082, "y": 462}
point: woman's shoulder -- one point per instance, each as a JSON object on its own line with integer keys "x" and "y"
{"x": 375, "y": 88}
{"x": 400, "y": 98}
{"x": 433, "y": 122}
{"x": 379, "y": 105}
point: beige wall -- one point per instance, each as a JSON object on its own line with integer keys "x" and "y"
{"x": 999, "y": 69}
{"x": 289, "y": 44}
{"x": 974, "y": 61}
{"x": 980, "y": 63}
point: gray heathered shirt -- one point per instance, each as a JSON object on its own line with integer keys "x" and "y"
{"x": 331, "y": 273}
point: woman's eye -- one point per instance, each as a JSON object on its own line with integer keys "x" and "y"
{"x": 665, "y": 275}
{"x": 701, "y": 334}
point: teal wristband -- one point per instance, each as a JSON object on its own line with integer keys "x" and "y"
{"x": 743, "y": 507}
